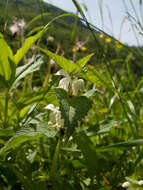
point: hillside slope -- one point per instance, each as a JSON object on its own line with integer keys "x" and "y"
{"x": 61, "y": 29}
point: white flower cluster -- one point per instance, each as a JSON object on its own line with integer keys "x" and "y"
{"x": 17, "y": 26}
{"x": 125, "y": 184}
{"x": 77, "y": 84}
{"x": 140, "y": 182}
{"x": 55, "y": 116}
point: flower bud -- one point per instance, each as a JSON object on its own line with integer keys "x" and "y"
{"x": 77, "y": 85}
{"x": 64, "y": 83}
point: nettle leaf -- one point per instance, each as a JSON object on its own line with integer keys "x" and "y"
{"x": 26, "y": 46}
{"x": 5, "y": 55}
{"x": 28, "y": 134}
{"x": 67, "y": 65}
{"x": 82, "y": 62}
{"x": 73, "y": 109}
{"x": 88, "y": 151}
{"x": 33, "y": 65}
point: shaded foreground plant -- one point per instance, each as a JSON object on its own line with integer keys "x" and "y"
{"x": 97, "y": 142}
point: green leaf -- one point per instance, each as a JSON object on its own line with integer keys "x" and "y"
{"x": 64, "y": 63}
{"x": 128, "y": 144}
{"x": 26, "y": 182}
{"x": 35, "y": 97}
{"x": 98, "y": 78}
{"x": 88, "y": 151}
{"x": 73, "y": 109}
{"x": 28, "y": 134}
{"x": 26, "y": 46}
{"x": 82, "y": 62}
{"x": 54, "y": 167}
{"x": 34, "y": 30}
{"x": 104, "y": 128}
{"x": 6, "y": 132}
{"x": 5, "y": 55}
{"x": 139, "y": 158}
{"x": 33, "y": 65}
{"x": 61, "y": 61}
{"x": 132, "y": 181}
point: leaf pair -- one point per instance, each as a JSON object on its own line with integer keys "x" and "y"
{"x": 73, "y": 109}
{"x": 66, "y": 64}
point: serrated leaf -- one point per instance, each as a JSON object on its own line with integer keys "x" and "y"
{"x": 61, "y": 61}
{"x": 73, "y": 109}
{"x": 5, "y": 55}
{"x": 67, "y": 65}
{"x": 82, "y": 62}
{"x": 27, "y": 134}
{"x": 26, "y": 46}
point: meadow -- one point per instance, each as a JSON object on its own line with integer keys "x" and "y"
{"x": 71, "y": 111}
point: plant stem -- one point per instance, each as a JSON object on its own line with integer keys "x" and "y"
{"x": 6, "y": 107}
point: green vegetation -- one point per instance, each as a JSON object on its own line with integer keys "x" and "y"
{"x": 70, "y": 103}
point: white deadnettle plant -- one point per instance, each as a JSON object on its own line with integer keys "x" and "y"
{"x": 77, "y": 84}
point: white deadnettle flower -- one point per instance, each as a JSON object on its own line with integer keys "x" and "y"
{"x": 55, "y": 116}
{"x": 50, "y": 107}
{"x": 21, "y": 24}
{"x": 140, "y": 182}
{"x": 126, "y": 184}
{"x": 50, "y": 39}
{"x": 62, "y": 72}
{"x": 17, "y": 26}
{"x": 52, "y": 62}
{"x": 64, "y": 83}
{"x": 77, "y": 85}
{"x": 14, "y": 29}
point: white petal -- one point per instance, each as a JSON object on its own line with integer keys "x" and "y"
{"x": 140, "y": 182}
{"x": 50, "y": 107}
{"x": 77, "y": 85}
{"x": 62, "y": 72}
{"x": 126, "y": 184}
{"x": 64, "y": 83}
